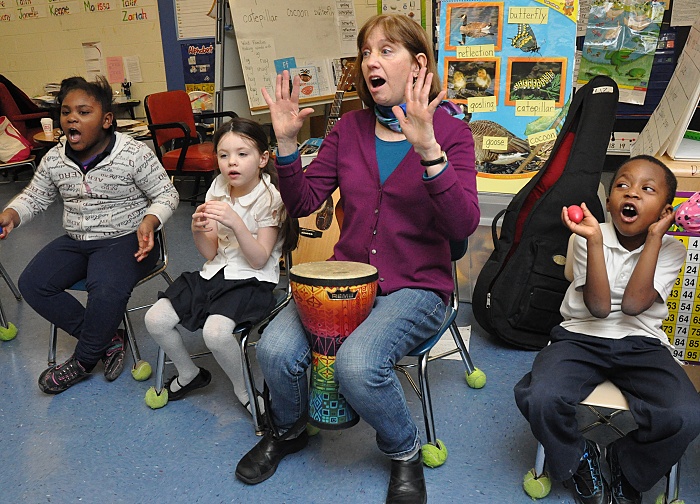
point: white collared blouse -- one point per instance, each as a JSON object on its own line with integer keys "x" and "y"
{"x": 260, "y": 208}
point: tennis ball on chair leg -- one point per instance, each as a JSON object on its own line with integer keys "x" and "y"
{"x": 8, "y": 333}
{"x": 141, "y": 371}
{"x": 477, "y": 379}
{"x": 434, "y": 455}
{"x": 537, "y": 488}
{"x": 661, "y": 499}
{"x": 155, "y": 401}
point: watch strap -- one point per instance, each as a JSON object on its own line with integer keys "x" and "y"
{"x": 433, "y": 162}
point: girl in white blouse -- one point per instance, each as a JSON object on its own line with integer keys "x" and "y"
{"x": 242, "y": 230}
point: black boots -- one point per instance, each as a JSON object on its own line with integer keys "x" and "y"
{"x": 262, "y": 460}
{"x": 407, "y": 483}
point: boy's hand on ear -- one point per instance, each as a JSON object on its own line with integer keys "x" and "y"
{"x": 659, "y": 228}
{"x": 145, "y": 234}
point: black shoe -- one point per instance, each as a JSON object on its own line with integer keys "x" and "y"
{"x": 407, "y": 483}
{"x": 589, "y": 485}
{"x": 622, "y": 491}
{"x": 201, "y": 380}
{"x": 262, "y": 460}
{"x": 113, "y": 358}
{"x": 56, "y": 379}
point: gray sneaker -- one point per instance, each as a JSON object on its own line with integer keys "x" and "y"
{"x": 56, "y": 379}
{"x": 113, "y": 358}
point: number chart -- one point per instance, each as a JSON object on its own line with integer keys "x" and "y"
{"x": 683, "y": 323}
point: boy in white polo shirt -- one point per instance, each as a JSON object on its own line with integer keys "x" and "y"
{"x": 613, "y": 310}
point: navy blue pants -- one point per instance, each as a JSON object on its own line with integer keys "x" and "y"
{"x": 662, "y": 400}
{"x": 111, "y": 272}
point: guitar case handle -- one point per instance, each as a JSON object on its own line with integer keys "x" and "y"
{"x": 494, "y": 225}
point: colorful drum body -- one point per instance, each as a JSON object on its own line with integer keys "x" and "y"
{"x": 332, "y": 298}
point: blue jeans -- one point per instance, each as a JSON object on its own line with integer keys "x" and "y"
{"x": 364, "y": 366}
{"x": 111, "y": 272}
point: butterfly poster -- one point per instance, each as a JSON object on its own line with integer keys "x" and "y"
{"x": 509, "y": 64}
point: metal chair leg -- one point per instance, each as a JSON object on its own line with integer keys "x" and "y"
{"x": 258, "y": 423}
{"x": 10, "y": 283}
{"x": 160, "y": 366}
{"x": 426, "y": 399}
{"x": 539, "y": 461}
{"x": 3, "y": 318}
{"x": 466, "y": 358}
{"x": 129, "y": 330}
{"x": 53, "y": 340}
{"x": 673, "y": 483}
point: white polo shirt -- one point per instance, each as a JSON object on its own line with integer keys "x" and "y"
{"x": 620, "y": 263}
{"x": 260, "y": 208}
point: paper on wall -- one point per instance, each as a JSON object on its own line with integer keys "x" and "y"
{"x": 115, "y": 69}
{"x": 92, "y": 54}
{"x": 685, "y": 12}
{"x": 664, "y": 131}
{"x": 133, "y": 69}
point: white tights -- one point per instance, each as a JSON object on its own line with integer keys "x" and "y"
{"x": 161, "y": 321}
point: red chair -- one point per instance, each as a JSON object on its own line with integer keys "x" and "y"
{"x": 23, "y": 113}
{"x": 177, "y": 142}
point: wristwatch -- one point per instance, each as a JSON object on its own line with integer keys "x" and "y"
{"x": 442, "y": 159}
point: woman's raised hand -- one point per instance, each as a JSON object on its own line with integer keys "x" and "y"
{"x": 286, "y": 117}
{"x": 417, "y": 122}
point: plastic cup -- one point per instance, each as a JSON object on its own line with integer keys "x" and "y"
{"x": 47, "y": 125}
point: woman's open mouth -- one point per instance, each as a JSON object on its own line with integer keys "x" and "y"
{"x": 376, "y": 82}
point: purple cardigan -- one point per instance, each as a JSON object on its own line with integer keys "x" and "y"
{"x": 401, "y": 227}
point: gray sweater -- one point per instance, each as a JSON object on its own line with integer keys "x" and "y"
{"x": 108, "y": 201}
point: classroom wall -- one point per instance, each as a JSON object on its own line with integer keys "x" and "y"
{"x": 46, "y": 46}
{"x": 49, "y": 48}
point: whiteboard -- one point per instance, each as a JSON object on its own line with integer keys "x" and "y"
{"x": 303, "y": 36}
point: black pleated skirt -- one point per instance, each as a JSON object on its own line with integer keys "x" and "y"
{"x": 194, "y": 298}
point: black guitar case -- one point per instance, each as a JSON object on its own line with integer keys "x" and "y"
{"x": 521, "y": 286}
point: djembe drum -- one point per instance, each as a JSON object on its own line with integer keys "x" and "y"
{"x": 332, "y": 298}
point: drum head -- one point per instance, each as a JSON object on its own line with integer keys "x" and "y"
{"x": 325, "y": 273}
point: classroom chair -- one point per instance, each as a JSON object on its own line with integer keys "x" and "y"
{"x": 246, "y": 336}
{"x": 7, "y": 329}
{"x": 606, "y": 402}
{"x": 13, "y": 167}
{"x": 178, "y": 145}
{"x": 141, "y": 369}
{"x": 23, "y": 113}
{"x": 435, "y": 451}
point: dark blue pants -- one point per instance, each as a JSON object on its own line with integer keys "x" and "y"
{"x": 111, "y": 272}
{"x": 662, "y": 400}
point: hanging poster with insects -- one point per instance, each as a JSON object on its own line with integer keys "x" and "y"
{"x": 620, "y": 42}
{"x": 509, "y": 64}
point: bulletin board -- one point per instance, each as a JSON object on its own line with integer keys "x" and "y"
{"x": 310, "y": 38}
{"x": 509, "y": 63}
